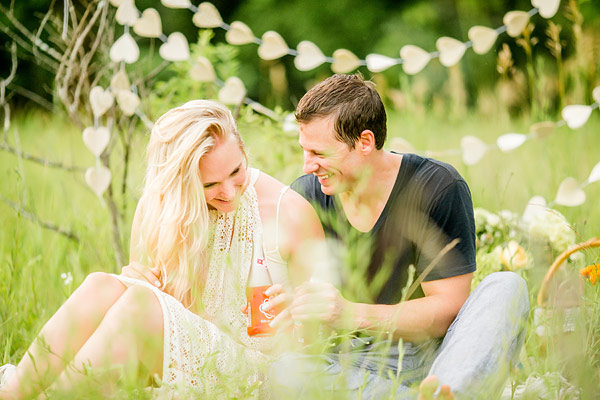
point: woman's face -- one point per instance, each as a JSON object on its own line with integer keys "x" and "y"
{"x": 223, "y": 172}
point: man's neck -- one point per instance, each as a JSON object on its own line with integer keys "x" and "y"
{"x": 365, "y": 202}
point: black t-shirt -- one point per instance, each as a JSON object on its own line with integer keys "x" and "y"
{"x": 429, "y": 206}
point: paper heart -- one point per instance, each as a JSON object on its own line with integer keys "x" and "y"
{"x": 414, "y": 59}
{"x": 510, "y": 141}
{"x": 309, "y": 56}
{"x": 96, "y": 139}
{"x": 120, "y": 81}
{"x": 344, "y": 61}
{"x": 290, "y": 124}
{"x": 473, "y": 149}
{"x": 272, "y": 47}
{"x": 483, "y": 38}
{"x": 536, "y": 206}
{"x": 515, "y": 22}
{"x": 202, "y": 70}
{"x": 547, "y": 8}
{"x": 596, "y": 94}
{"x": 378, "y": 63}
{"x": 128, "y": 102}
{"x": 100, "y": 100}
{"x": 98, "y": 179}
{"x": 451, "y": 50}
{"x": 127, "y": 14}
{"x": 149, "y": 24}
{"x": 401, "y": 145}
{"x": 569, "y": 194}
{"x": 576, "y": 115}
{"x": 233, "y": 92}
{"x": 542, "y": 129}
{"x": 595, "y": 174}
{"x": 207, "y": 16}
{"x": 239, "y": 33}
{"x": 125, "y": 49}
{"x": 176, "y": 48}
{"x": 176, "y": 3}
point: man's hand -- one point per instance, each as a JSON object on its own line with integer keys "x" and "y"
{"x": 136, "y": 270}
{"x": 312, "y": 301}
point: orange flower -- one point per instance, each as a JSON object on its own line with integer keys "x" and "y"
{"x": 591, "y": 272}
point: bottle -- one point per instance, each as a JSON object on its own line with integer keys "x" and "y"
{"x": 259, "y": 280}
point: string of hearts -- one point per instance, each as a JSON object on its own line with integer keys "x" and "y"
{"x": 272, "y": 46}
{"x": 308, "y": 56}
{"x": 473, "y": 149}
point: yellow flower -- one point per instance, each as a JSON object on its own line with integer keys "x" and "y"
{"x": 591, "y": 272}
{"x": 513, "y": 256}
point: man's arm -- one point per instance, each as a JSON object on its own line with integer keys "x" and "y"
{"x": 412, "y": 320}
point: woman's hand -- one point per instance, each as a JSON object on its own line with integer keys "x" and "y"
{"x": 138, "y": 271}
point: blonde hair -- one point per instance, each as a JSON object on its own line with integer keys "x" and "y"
{"x": 174, "y": 216}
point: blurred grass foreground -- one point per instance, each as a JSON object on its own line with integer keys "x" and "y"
{"x": 56, "y": 230}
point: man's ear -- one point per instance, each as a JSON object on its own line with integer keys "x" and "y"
{"x": 366, "y": 142}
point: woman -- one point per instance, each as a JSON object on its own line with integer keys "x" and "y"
{"x": 200, "y": 224}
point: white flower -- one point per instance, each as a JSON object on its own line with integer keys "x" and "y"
{"x": 553, "y": 227}
{"x": 67, "y": 278}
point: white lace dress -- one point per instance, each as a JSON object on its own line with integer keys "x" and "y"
{"x": 205, "y": 353}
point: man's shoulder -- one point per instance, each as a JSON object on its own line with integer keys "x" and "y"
{"x": 426, "y": 168}
{"x": 308, "y": 186}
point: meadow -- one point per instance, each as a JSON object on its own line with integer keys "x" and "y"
{"x": 40, "y": 267}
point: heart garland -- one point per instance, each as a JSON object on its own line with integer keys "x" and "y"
{"x": 149, "y": 24}
{"x": 125, "y": 49}
{"x": 272, "y": 47}
{"x": 414, "y": 59}
{"x": 98, "y": 179}
{"x": 309, "y": 56}
{"x": 176, "y": 48}
{"x": 96, "y": 139}
{"x": 100, "y": 100}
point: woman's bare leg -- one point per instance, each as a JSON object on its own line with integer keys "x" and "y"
{"x": 130, "y": 334}
{"x": 63, "y": 335}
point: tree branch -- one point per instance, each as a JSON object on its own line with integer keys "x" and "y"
{"x": 42, "y": 161}
{"x": 46, "y": 225}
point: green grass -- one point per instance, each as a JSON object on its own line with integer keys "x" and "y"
{"x": 32, "y": 258}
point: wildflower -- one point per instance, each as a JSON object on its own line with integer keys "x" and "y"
{"x": 513, "y": 256}
{"x": 591, "y": 272}
{"x": 67, "y": 278}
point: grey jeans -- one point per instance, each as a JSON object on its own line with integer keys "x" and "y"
{"x": 474, "y": 358}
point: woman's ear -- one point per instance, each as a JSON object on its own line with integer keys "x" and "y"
{"x": 366, "y": 142}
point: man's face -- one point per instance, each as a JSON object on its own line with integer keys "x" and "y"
{"x": 329, "y": 159}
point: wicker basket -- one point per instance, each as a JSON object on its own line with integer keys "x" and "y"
{"x": 543, "y": 293}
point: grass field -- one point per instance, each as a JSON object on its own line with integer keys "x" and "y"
{"x": 35, "y": 263}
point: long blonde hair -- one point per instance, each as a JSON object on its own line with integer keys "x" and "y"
{"x": 174, "y": 216}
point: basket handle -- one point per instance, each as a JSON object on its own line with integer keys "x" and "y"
{"x": 541, "y": 298}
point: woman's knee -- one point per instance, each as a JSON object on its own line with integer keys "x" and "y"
{"x": 102, "y": 284}
{"x": 139, "y": 308}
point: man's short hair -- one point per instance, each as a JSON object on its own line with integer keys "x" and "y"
{"x": 354, "y": 103}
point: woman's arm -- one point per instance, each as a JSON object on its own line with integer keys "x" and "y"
{"x": 301, "y": 238}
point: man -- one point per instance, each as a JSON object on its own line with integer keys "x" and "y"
{"x": 410, "y": 211}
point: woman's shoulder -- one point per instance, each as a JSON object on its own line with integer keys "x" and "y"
{"x": 271, "y": 191}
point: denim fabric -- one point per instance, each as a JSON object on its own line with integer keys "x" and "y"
{"x": 474, "y": 357}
